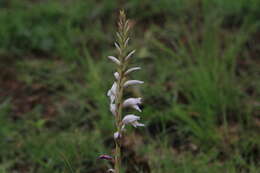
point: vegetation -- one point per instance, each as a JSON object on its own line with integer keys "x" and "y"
{"x": 202, "y": 89}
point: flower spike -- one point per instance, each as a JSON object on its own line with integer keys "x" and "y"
{"x": 116, "y": 92}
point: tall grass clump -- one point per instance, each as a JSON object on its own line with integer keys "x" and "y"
{"x": 204, "y": 60}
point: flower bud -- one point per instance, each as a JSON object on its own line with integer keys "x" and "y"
{"x": 126, "y": 42}
{"x": 118, "y": 48}
{"x": 132, "y": 69}
{"x": 129, "y": 55}
{"x": 116, "y": 74}
{"x": 105, "y": 157}
{"x": 114, "y": 59}
{"x": 132, "y": 82}
{"x": 117, "y": 135}
{"x": 112, "y": 92}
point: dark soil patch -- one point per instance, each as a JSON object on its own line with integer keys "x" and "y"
{"x": 24, "y": 98}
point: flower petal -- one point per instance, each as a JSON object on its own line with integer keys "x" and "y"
{"x": 132, "y": 69}
{"x": 130, "y": 118}
{"x": 116, "y": 74}
{"x": 113, "y": 109}
{"x": 117, "y": 135}
{"x": 132, "y": 101}
{"x": 113, "y": 88}
{"x": 137, "y": 124}
{"x": 110, "y": 170}
{"x": 114, "y": 59}
{"x": 112, "y": 92}
{"x": 136, "y": 107}
{"x": 112, "y": 98}
{"x": 132, "y": 82}
{"x": 105, "y": 157}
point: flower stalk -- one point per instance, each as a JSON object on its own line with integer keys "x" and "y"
{"x": 116, "y": 93}
{"x": 121, "y": 39}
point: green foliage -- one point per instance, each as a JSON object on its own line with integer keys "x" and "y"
{"x": 199, "y": 59}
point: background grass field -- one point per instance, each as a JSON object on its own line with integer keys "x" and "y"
{"x": 201, "y": 67}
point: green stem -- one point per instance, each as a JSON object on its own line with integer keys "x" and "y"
{"x": 118, "y": 158}
{"x": 120, "y": 88}
{"x": 119, "y": 97}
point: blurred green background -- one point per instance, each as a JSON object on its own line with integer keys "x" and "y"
{"x": 201, "y": 67}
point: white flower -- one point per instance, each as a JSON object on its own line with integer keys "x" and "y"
{"x": 113, "y": 108}
{"x": 132, "y": 82}
{"x": 129, "y": 55}
{"x": 133, "y": 103}
{"x": 114, "y": 59}
{"x": 132, "y": 69}
{"x": 116, "y": 74}
{"x": 132, "y": 119}
{"x": 116, "y": 135}
{"x": 111, "y": 170}
{"x": 112, "y": 92}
